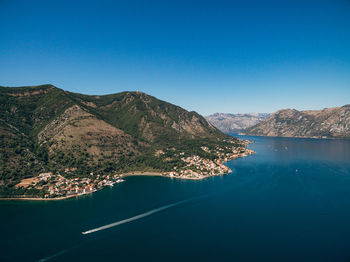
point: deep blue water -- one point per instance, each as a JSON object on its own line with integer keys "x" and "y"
{"x": 288, "y": 202}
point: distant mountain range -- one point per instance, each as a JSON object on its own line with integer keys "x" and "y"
{"x": 231, "y": 123}
{"x": 327, "y": 123}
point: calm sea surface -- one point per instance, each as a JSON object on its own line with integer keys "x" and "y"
{"x": 288, "y": 202}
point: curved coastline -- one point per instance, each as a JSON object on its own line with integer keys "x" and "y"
{"x": 123, "y": 175}
{"x": 135, "y": 173}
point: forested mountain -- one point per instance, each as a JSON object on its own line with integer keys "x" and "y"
{"x": 46, "y": 129}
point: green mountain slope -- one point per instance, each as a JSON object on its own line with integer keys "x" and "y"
{"x": 46, "y": 129}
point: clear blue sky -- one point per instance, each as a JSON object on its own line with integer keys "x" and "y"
{"x": 207, "y": 56}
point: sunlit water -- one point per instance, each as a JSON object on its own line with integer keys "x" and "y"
{"x": 288, "y": 202}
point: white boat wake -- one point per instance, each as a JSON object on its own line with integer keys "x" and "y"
{"x": 148, "y": 213}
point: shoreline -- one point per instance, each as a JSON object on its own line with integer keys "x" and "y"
{"x": 141, "y": 173}
{"x": 303, "y": 137}
{"x": 123, "y": 175}
{"x": 40, "y": 198}
{"x": 164, "y": 174}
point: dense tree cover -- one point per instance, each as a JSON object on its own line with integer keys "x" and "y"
{"x": 19, "y": 158}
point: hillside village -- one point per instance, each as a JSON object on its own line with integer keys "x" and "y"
{"x": 199, "y": 168}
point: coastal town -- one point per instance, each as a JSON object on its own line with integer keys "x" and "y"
{"x": 199, "y": 168}
{"x": 60, "y": 186}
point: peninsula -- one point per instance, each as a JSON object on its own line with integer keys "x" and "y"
{"x": 57, "y": 144}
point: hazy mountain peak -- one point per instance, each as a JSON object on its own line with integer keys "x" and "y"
{"x": 230, "y": 123}
{"x": 329, "y": 122}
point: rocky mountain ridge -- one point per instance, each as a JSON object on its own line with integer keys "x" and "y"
{"x": 231, "y": 123}
{"x": 327, "y": 123}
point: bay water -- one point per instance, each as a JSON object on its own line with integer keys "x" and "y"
{"x": 288, "y": 202}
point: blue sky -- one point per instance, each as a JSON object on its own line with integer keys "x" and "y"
{"x": 207, "y": 56}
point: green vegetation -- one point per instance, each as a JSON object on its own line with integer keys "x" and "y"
{"x": 46, "y": 129}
